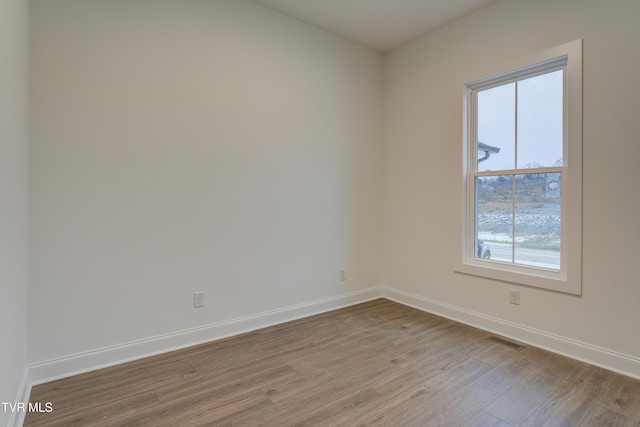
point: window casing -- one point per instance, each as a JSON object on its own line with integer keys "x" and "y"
{"x": 522, "y": 172}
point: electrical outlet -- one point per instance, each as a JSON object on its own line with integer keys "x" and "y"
{"x": 514, "y": 297}
{"x": 343, "y": 274}
{"x": 198, "y": 299}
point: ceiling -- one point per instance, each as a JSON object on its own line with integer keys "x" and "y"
{"x": 378, "y": 24}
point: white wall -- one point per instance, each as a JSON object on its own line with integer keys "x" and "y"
{"x": 13, "y": 198}
{"x": 193, "y": 146}
{"x": 423, "y": 133}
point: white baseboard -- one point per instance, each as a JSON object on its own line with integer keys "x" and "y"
{"x": 613, "y": 361}
{"x": 79, "y": 363}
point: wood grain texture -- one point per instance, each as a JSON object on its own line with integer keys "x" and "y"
{"x": 373, "y": 364}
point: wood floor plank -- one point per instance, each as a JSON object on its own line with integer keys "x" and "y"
{"x": 504, "y": 376}
{"x": 493, "y": 354}
{"x": 297, "y": 406}
{"x": 318, "y": 394}
{"x": 104, "y": 390}
{"x": 342, "y": 411}
{"x": 623, "y": 396}
{"x": 459, "y": 406}
{"x": 520, "y": 401}
{"x": 573, "y": 400}
{"x": 63, "y": 387}
{"x": 568, "y": 406}
{"x": 483, "y": 419}
{"x": 231, "y": 383}
{"x": 411, "y": 394}
{"x": 305, "y": 377}
{"x": 110, "y": 412}
{"x": 373, "y": 364}
{"x": 599, "y": 416}
{"x": 217, "y": 410}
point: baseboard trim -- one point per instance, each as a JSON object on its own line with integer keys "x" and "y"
{"x": 79, "y": 363}
{"x": 51, "y": 370}
{"x": 613, "y": 361}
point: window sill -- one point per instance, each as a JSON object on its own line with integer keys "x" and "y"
{"x": 539, "y": 278}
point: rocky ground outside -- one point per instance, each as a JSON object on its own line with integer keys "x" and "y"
{"x": 535, "y": 228}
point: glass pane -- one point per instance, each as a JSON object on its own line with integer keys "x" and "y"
{"x": 540, "y": 120}
{"x": 494, "y": 218}
{"x": 537, "y": 220}
{"x": 496, "y": 128}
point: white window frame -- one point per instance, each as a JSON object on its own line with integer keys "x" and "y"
{"x": 568, "y": 278}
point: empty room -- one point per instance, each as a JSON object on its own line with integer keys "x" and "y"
{"x": 319, "y": 212}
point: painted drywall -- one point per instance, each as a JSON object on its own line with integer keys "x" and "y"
{"x": 193, "y": 146}
{"x": 13, "y": 198}
{"x": 423, "y": 133}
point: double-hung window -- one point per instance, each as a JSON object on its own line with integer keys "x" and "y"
{"x": 522, "y": 173}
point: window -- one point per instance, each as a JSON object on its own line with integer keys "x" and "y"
{"x": 522, "y": 173}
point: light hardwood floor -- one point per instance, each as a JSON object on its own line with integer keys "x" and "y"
{"x": 378, "y": 363}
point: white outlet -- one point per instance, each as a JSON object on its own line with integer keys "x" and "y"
{"x": 343, "y": 274}
{"x": 198, "y": 299}
{"x": 514, "y": 297}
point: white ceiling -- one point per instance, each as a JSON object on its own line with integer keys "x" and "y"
{"x": 378, "y": 24}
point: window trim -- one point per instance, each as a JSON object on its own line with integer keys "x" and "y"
{"x": 568, "y": 279}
